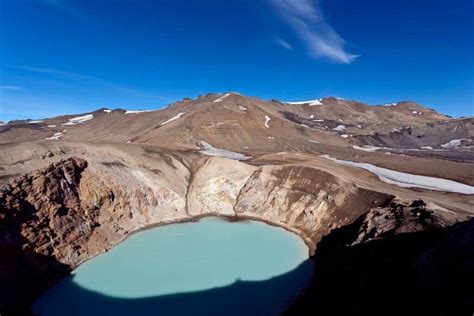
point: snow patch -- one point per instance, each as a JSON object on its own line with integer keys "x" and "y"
{"x": 339, "y": 128}
{"x": 390, "y": 104}
{"x": 35, "y": 122}
{"x": 79, "y": 119}
{"x": 311, "y": 116}
{"x": 243, "y": 108}
{"x": 310, "y": 102}
{"x": 208, "y": 149}
{"x": 135, "y": 111}
{"x": 51, "y": 126}
{"x": 345, "y": 136}
{"x": 368, "y": 148}
{"x": 304, "y": 125}
{"x": 174, "y": 118}
{"x": 407, "y": 180}
{"x": 221, "y": 98}
{"x": 56, "y": 136}
{"x": 453, "y": 143}
{"x": 107, "y": 111}
{"x": 267, "y": 119}
{"x": 427, "y": 147}
{"x": 414, "y": 112}
{"x": 313, "y": 141}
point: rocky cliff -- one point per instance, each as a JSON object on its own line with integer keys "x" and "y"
{"x": 397, "y": 259}
{"x": 72, "y": 210}
{"x": 56, "y": 217}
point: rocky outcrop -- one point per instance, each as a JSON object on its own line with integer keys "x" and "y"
{"x": 40, "y": 218}
{"x": 309, "y": 201}
{"x": 45, "y": 208}
{"x": 401, "y": 258}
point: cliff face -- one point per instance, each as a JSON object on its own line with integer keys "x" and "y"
{"x": 72, "y": 210}
{"x": 41, "y": 220}
{"x": 54, "y": 218}
{"x": 397, "y": 259}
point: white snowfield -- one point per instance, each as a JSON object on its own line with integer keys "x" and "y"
{"x": 267, "y": 119}
{"x": 407, "y": 180}
{"x": 309, "y": 102}
{"x": 313, "y": 141}
{"x": 221, "y": 98}
{"x": 35, "y": 122}
{"x": 51, "y": 126}
{"x": 390, "y": 104}
{"x": 174, "y": 118}
{"x": 135, "y": 111}
{"x": 243, "y": 108}
{"x": 453, "y": 143}
{"x": 208, "y": 149}
{"x": 107, "y": 111}
{"x": 368, "y": 148}
{"x": 79, "y": 119}
{"x": 339, "y": 128}
{"x": 56, "y": 136}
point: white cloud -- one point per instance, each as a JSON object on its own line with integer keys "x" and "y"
{"x": 283, "y": 43}
{"x": 54, "y": 72}
{"x": 9, "y": 88}
{"x": 307, "y": 20}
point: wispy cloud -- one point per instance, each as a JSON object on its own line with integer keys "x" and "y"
{"x": 283, "y": 43}
{"x": 62, "y": 76}
{"x": 9, "y": 88}
{"x": 66, "y": 7}
{"x": 54, "y": 72}
{"x": 307, "y": 20}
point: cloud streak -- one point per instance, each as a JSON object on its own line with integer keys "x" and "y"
{"x": 96, "y": 82}
{"x": 54, "y": 72}
{"x": 283, "y": 43}
{"x": 305, "y": 17}
{"x": 9, "y": 88}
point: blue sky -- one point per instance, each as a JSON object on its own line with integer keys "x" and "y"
{"x": 67, "y": 56}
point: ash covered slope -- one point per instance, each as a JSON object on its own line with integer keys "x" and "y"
{"x": 227, "y": 118}
{"x": 239, "y": 123}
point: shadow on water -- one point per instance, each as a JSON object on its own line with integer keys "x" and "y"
{"x": 268, "y": 297}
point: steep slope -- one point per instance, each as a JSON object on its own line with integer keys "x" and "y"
{"x": 406, "y": 259}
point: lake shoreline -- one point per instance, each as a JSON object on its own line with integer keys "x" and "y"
{"x": 255, "y": 246}
{"x": 230, "y": 218}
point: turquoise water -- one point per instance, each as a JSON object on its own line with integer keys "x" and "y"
{"x": 211, "y": 267}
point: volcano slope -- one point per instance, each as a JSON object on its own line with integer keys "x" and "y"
{"x": 73, "y": 186}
